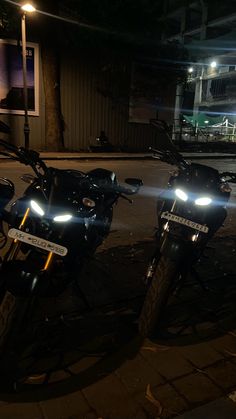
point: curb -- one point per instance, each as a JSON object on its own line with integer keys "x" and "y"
{"x": 190, "y": 156}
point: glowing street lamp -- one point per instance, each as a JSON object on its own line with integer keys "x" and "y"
{"x": 213, "y": 64}
{"x": 26, "y": 8}
{"x": 190, "y": 70}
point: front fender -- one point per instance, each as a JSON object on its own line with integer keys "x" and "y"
{"x": 176, "y": 249}
{"x": 21, "y": 282}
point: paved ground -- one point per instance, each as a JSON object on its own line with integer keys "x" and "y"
{"x": 99, "y": 366}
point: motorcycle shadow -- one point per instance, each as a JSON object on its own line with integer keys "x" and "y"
{"x": 204, "y": 309}
{"x": 75, "y": 345}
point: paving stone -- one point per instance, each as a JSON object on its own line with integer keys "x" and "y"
{"x": 170, "y": 364}
{"x": 222, "y": 408}
{"x": 89, "y": 415}
{"x": 21, "y": 411}
{"x": 197, "y": 388}
{"x": 83, "y": 364}
{"x": 109, "y": 398}
{"x": 171, "y": 402}
{"x": 67, "y": 406}
{"x": 200, "y": 355}
{"x": 136, "y": 374}
{"x": 59, "y": 375}
{"x": 224, "y": 344}
{"x": 224, "y": 373}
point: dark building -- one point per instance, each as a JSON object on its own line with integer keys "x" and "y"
{"x": 208, "y": 30}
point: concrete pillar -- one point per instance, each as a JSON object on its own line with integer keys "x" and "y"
{"x": 177, "y": 127}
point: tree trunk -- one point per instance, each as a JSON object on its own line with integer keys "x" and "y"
{"x": 53, "y": 116}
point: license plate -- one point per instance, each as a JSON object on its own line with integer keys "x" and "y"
{"x": 37, "y": 242}
{"x": 172, "y": 217}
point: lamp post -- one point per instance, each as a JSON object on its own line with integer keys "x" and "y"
{"x": 25, "y": 8}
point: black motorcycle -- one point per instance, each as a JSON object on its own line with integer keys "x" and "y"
{"x": 190, "y": 211}
{"x": 53, "y": 230}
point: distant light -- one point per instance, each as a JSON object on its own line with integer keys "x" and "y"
{"x": 190, "y": 70}
{"x": 213, "y": 64}
{"x": 28, "y": 8}
{"x": 206, "y": 122}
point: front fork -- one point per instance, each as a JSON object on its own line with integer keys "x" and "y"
{"x": 156, "y": 255}
{"x": 15, "y": 245}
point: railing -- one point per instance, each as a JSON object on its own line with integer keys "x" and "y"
{"x": 220, "y": 132}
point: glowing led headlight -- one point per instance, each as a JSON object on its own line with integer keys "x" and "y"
{"x": 36, "y": 208}
{"x": 203, "y": 201}
{"x": 181, "y": 194}
{"x": 63, "y": 218}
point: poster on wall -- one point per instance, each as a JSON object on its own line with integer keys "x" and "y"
{"x": 145, "y": 99}
{"x": 11, "y": 78}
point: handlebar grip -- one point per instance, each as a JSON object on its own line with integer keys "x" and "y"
{"x": 126, "y": 191}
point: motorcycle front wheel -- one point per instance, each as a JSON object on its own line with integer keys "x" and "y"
{"x": 13, "y": 314}
{"x": 157, "y": 295}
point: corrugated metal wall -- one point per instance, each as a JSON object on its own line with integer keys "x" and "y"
{"x": 91, "y": 102}
{"x": 95, "y": 97}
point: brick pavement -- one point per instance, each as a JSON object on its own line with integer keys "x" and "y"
{"x": 141, "y": 379}
{"x": 123, "y": 393}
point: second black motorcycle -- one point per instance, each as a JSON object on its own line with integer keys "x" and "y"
{"x": 192, "y": 209}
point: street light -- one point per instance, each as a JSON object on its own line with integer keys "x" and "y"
{"x": 27, "y": 8}
{"x": 213, "y": 64}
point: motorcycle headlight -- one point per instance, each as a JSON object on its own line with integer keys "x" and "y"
{"x": 181, "y": 194}
{"x": 36, "y": 208}
{"x": 63, "y": 218}
{"x": 203, "y": 201}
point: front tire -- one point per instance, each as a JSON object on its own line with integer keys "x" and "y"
{"x": 157, "y": 296}
{"x": 12, "y": 332}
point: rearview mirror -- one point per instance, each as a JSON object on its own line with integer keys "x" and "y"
{"x": 134, "y": 182}
{"x": 28, "y": 178}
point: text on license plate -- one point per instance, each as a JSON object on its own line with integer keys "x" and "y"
{"x": 172, "y": 217}
{"x": 37, "y": 242}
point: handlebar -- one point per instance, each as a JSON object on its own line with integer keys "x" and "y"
{"x": 126, "y": 191}
{"x": 24, "y": 156}
{"x": 170, "y": 157}
{"x": 32, "y": 158}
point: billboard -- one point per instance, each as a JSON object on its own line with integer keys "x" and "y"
{"x": 11, "y": 78}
